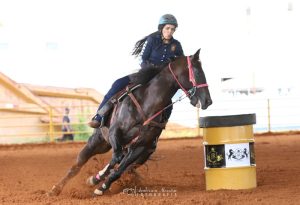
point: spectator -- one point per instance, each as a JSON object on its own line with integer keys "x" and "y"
{"x": 66, "y": 127}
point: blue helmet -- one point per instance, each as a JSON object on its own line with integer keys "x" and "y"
{"x": 168, "y": 19}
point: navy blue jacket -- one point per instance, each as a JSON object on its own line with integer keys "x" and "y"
{"x": 156, "y": 52}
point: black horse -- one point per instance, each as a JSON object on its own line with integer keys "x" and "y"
{"x": 134, "y": 123}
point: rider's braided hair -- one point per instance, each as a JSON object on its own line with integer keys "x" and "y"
{"x": 138, "y": 47}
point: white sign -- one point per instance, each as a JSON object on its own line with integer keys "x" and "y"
{"x": 237, "y": 155}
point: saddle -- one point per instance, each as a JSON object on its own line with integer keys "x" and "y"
{"x": 127, "y": 90}
{"x": 111, "y": 103}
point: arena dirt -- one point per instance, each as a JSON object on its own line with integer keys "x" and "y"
{"x": 174, "y": 175}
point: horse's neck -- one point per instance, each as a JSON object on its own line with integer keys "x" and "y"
{"x": 161, "y": 88}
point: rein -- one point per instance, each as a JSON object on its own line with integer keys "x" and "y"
{"x": 159, "y": 112}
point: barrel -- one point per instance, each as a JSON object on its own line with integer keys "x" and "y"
{"x": 229, "y": 151}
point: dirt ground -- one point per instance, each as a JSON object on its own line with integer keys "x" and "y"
{"x": 175, "y": 175}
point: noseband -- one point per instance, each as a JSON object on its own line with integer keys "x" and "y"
{"x": 191, "y": 92}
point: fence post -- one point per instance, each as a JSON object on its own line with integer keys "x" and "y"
{"x": 269, "y": 116}
{"x": 51, "y": 130}
{"x": 198, "y": 122}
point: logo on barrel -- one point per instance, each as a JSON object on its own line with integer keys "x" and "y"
{"x": 215, "y": 157}
{"x": 237, "y": 155}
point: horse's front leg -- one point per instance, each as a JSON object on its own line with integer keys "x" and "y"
{"x": 117, "y": 154}
{"x": 102, "y": 174}
{"x": 128, "y": 159}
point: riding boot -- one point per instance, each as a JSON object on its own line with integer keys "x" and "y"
{"x": 99, "y": 118}
{"x": 105, "y": 109}
{"x": 96, "y": 121}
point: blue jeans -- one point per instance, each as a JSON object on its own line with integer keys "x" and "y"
{"x": 117, "y": 86}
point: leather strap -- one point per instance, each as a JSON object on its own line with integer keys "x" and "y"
{"x": 138, "y": 106}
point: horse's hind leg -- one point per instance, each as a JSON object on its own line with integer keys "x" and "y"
{"x": 95, "y": 145}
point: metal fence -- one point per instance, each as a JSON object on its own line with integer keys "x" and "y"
{"x": 273, "y": 114}
{"x": 26, "y": 125}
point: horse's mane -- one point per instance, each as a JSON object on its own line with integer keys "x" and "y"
{"x": 143, "y": 76}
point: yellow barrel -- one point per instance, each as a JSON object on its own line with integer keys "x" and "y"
{"x": 229, "y": 151}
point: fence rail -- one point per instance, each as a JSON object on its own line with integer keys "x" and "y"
{"x": 273, "y": 114}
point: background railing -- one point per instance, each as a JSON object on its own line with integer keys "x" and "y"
{"x": 273, "y": 114}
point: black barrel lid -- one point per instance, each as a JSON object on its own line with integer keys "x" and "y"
{"x": 227, "y": 120}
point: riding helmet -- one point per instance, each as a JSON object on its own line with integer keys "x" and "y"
{"x": 167, "y": 19}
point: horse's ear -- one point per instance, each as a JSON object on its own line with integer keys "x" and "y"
{"x": 196, "y": 55}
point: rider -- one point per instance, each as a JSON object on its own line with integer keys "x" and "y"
{"x": 156, "y": 50}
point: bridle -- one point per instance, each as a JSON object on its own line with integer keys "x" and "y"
{"x": 191, "y": 92}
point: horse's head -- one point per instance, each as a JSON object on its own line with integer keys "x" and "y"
{"x": 198, "y": 80}
{"x": 193, "y": 81}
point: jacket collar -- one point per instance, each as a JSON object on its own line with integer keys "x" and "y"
{"x": 159, "y": 36}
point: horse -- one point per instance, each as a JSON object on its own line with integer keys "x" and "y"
{"x": 135, "y": 123}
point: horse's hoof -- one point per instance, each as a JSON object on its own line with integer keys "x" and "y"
{"x": 92, "y": 181}
{"x": 98, "y": 192}
{"x": 55, "y": 191}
